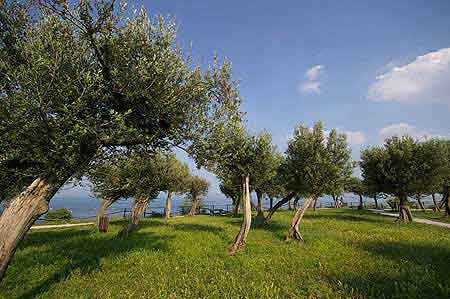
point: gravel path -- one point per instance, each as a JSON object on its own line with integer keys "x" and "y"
{"x": 418, "y": 220}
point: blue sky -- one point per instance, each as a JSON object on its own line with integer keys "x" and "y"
{"x": 369, "y": 68}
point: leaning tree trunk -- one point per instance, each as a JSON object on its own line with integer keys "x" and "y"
{"x": 436, "y": 206}
{"x": 294, "y": 232}
{"x": 168, "y": 206}
{"x": 20, "y": 213}
{"x": 241, "y": 238}
{"x": 404, "y": 211}
{"x": 260, "y": 216}
{"x": 106, "y": 203}
{"x": 139, "y": 206}
{"x": 278, "y": 205}
{"x": 419, "y": 201}
{"x": 376, "y": 201}
{"x": 194, "y": 206}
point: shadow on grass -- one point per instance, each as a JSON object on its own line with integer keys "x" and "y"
{"x": 420, "y": 271}
{"x": 191, "y": 227}
{"x": 82, "y": 251}
{"x": 354, "y": 217}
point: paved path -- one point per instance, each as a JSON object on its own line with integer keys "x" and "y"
{"x": 418, "y": 220}
{"x": 61, "y": 225}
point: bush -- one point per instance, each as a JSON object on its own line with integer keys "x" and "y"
{"x": 59, "y": 214}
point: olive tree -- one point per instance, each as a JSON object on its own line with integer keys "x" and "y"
{"x": 312, "y": 161}
{"x": 174, "y": 179}
{"x": 230, "y": 186}
{"x": 81, "y": 76}
{"x": 356, "y": 185}
{"x": 197, "y": 188}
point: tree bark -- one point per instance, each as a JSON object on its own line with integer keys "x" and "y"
{"x": 290, "y": 205}
{"x": 436, "y": 206}
{"x": 419, "y": 201}
{"x": 360, "y": 206}
{"x": 139, "y": 206}
{"x": 241, "y": 238}
{"x": 336, "y": 204}
{"x": 271, "y": 202}
{"x": 168, "y": 206}
{"x": 106, "y": 203}
{"x": 404, "y": 211}
{"x": 315, "y": 204}
{"x": 279, "y": 205}
{"x": 294, "y": 232}
{"x": 20, "y": 214}
{"x": 376, "y": 201}
{"x": 194, "y": 207}
{"x": 259, "y": 208}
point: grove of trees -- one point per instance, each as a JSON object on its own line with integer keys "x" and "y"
{"x": 91, "y": 90}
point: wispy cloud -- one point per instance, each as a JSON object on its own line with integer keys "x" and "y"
{"x": 312, "y": 84}
{"x": 405, "y": 129}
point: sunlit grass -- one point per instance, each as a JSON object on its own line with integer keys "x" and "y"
{"x": 347, "y": 254}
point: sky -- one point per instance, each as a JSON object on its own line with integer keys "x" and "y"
{"x": 371, "y": 69}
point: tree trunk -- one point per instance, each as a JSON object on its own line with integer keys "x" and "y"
{"x": 294, "y": 232}
{"x": 376, "y": 201}
{"x": 20, "y": 214}
{"x": 168, "y": 206}
{"x": 194, "y": 207}
{"x": 271, "y": 203}
{"x": 236, "y": 206}
{"x": 445, "y": 198}
{"x": 336, "y": 204}
{"x": 290, "y": 205}
{"x": 419, "y": 201}
{"x": 279, "y": 205}
{"x": 404, "y": 211}
{"x": 360, "y": 206}
{"x": 436, "y": 206}
{"x": 139, "y": 206}
{"x": 106, "y": 203}
{"x": 314, "y": 204}
{"x": 241, "y": 238}
{"x": 259, "y": 208}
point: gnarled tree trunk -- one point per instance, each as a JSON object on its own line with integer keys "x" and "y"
{"x": 419, "y": 201}
{"x": 376, "y": 201}
{"x": 260, "y": 216}
{"x": 278, "y": 205}
{"x": 139, "y": 206}
{"x": 168, "y": 206}
{"x": 241, "y": 237}
{"x": 106, "y": 203}
{"x": 194, "y": 207}
{"x": 20, "y": 213}
{"x": 436, "y": 206}
{"x": 404, "y": 211}
{"x": 294, "y": 232}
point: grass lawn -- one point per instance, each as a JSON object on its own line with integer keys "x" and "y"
{"x": 347, "y": 254}
{"x": 435, "y": 216}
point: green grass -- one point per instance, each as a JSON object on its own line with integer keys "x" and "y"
{"x": 435, "y": 216}
{"x": 347, "y": 254}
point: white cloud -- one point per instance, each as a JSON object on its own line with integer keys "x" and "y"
{"x": 404, "y": 129}
{"x": 425, "y": 79}
{"x": 312, "y": 85}
{"x": 355, "y": 137}
{"x": 314, "y": 72}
